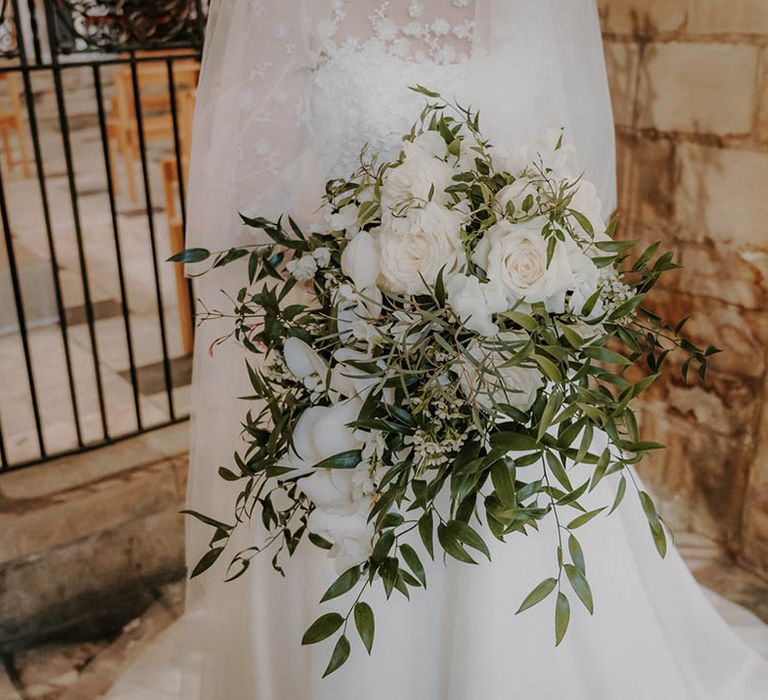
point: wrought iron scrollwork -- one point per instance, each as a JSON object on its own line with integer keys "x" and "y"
{"x": 8, "y": 41}
{"x": 116, "y": 25}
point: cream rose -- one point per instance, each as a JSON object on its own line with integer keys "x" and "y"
{"x": 418, "y": 246}
{"x": 514, "y": 256}
{"x": 414, "y": 179}
{"x": 475, "y": 302}
{"x": 516, "y": 194}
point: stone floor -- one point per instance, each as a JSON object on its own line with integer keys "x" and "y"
{"x": 86, "y": 670}
{"x": 46, "y": 339}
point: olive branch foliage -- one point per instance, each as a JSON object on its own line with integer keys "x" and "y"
{"x": 511, "y": 469}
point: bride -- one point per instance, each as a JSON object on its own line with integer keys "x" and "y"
{"x": 291, "y": 90}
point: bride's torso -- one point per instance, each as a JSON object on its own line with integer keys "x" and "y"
{"x": 368, "y": 54}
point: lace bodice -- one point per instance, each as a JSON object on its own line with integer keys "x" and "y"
{"x": 292, "y": 89}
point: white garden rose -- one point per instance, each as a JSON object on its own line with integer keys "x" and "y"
{"x": 586, "y": 201}
{"x": 487, "y": 382}
{"x": 429, "y": 143}
{"x": 414, "y": 179}
{"x": 475, "y": 302}
{"x": 559, "y": 163}
{"x": 418, "y": 246}
{"x": 514, "y": 256}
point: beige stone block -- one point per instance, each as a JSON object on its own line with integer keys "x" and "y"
{"x": 701, "y": 88}
{"x": 718, "y": 17}
{"x": 762, "y": 114}
{"x": 26, "y": 529}
{"x": 645, "y": 18}
{"x": 724, "y": 273}
{"x": 646, "y": 172}
{"x": 721, "y": 195}
{"x": 622, "y": 61}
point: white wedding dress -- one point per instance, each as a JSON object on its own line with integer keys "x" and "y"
{"x": 291, "y": 90}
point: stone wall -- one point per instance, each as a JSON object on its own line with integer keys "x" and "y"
{"x": 690, "y": 88}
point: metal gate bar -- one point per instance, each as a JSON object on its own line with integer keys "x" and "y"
{"x": 72, "y": 44}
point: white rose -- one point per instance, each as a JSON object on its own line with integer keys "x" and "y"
{"x": 414, "y": 179}
{"x": 561, "y": 162}
{"x": 350, "y": 535}
{"x": 516, "y": 193}
{"x": 322, "y": 256}
{"x": 491, "y": 383}
{"x": 348, "y": 380}
{"x": 474, "y": 303}
{"x": 419, "y": 246}
{"x": 429, "y": 144}
{"x": 514, "y": 256}
{"x": 360, "y": 261}
{"x": 585, "y": 275}
{"x": 586, "y": 201}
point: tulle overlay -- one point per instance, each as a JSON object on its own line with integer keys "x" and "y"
{"x": 291, "y": 90}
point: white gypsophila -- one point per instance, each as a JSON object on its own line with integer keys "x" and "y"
{"x": 303, "y": 268}
{"x": 514, "y": 256}
{"x": 475, "y": 303}
{"x": 413, "y": 180}
{"x": 487, "y": 382}
{"x": 414, "y": 248}
{"x": 322, "y": 256}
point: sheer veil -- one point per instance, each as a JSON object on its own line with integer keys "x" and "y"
{"x": 553, "y": 51}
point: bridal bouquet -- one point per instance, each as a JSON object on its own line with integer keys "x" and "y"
{"x": 431, "y": 359}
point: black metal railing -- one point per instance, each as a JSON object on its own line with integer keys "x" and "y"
{"x": 95, "y": 330}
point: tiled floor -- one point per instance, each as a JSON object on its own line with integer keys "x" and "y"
{"x": 46, "y": 339}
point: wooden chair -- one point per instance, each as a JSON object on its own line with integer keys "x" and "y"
{"x": 12, "y": 121}
{"x": 172, "y": 192}
{"x": 154, "y": 98}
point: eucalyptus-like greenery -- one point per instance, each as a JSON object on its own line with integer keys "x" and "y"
{"x": 446, "y": 468}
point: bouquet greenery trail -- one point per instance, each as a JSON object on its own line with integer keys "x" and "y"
{"x": 435, "y": 358}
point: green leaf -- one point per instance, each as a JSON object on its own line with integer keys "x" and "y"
{"x": 206, "y": 561}
{"x": 414, "y": 563}
{"x": 207, "y": 520}
{"x": 509, "y": 441}
{"x": 343, "y": 460}
{"x": 550, "y": 410}
{"x": 426, "y": 527}
{"x": 538, "y": 594}
{"x": 383, "y": 545}
{"x": 322, "y": 628}
{"x": 619, "y": 495}
{"x": 468, "y": 536}
{"x": 584, "y": 222}
{"x": 577, "y": 554}
{"x": 657, "y": 529}
{"x": 366, "y": 626}
{"x": 191, "y": 255}
{"x": 584, "y": 519}
{"x": 550, "y": 369}
{"x": 343, "y": 584}
{"x": 558, "y": 470}
{"x": 522, "y": 320}
{"x": 606, "y": 355}
{"x": 451, "y": 544}
{"x": 503, "y": 479}
{"x": 600, "y": 469}
{"x": 562, "y": 617}
{"x": 339, "y": 656}
{"x": 580, "y": 586}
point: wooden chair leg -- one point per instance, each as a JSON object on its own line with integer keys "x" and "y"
{"x": 7, "y": 149}
{"x": 125, "y": 147}
{"x": 182, "y": 290}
